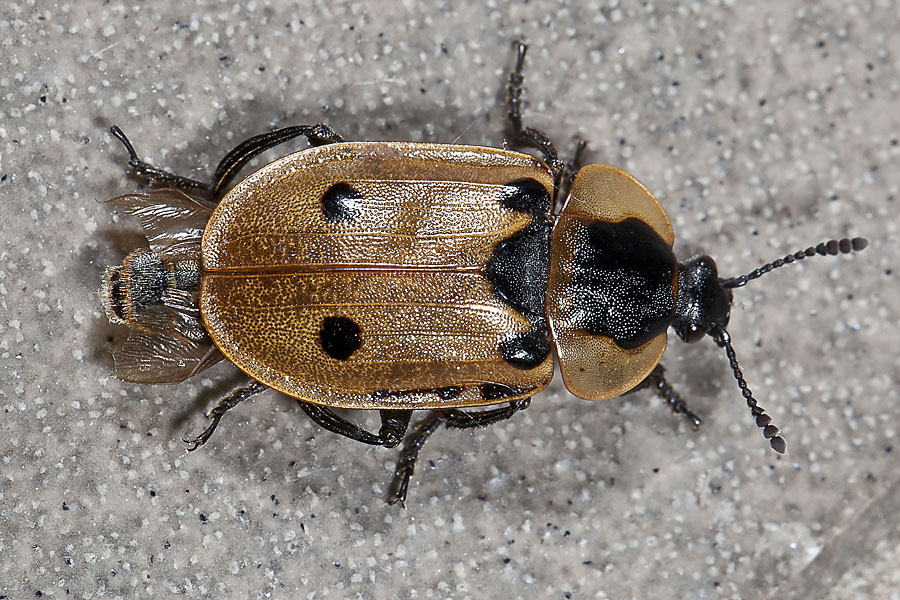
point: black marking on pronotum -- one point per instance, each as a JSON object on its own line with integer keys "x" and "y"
{"x": 340, "y": 337}
{"x": 341, "y": 203}
{"x": 623, "y": 282}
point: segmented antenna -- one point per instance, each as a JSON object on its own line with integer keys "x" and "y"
{"x": 763, "y": 420}
{"x": 831, "y": 247}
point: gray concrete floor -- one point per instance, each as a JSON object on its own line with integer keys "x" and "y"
{"x": 763, "y": 127}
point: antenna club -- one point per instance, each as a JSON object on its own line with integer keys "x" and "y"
{"x": 778, "y": 444}
{"x": 829, "y": 248}
{"x": 717, "y": 329}
{"x": 720, "y": 335}
{"x": 842, "y": 246}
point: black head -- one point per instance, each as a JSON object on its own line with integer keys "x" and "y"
{"x": 703, "y": 302}
{"x": 704, "y": 307}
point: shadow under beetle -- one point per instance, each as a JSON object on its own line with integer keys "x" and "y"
{"x": 412, "y": 276}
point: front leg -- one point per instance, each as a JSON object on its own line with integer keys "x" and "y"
{"x": 656, "y": 381}
{"x": 528, "y": 135}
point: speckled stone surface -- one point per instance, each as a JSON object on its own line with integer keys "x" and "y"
{"x": 763, "y": 127}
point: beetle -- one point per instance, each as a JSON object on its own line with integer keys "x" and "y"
{"x": 398, "y": 276}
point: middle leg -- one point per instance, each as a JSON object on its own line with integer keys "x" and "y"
{"x": 394, "y": 424}
{"x": 656, "y": 381}
{"x": 453, "y": 419}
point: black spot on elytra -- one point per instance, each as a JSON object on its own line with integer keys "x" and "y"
{"x": 526, "y": 195}
{"x": 341, "y": 203}
{"x": 448, "y": 393}
{"x": 340, "y": 337}
{"x": 498, "y": 391}
{"x": 519, "y": 272}
{"x": 527, "y": 350}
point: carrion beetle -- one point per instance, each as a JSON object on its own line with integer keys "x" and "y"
{"x": 411, "y": 276}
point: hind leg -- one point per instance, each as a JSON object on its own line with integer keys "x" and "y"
{"x": 318, "y": 135}
{"x": 454, "y": 419}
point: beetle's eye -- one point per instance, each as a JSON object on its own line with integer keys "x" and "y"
{"x": 693, "y": 334}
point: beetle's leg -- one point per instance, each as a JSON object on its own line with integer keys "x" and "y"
{"x": 152, "y": 173}
{"x": 464, "y": 419}
{"x": 574, "y": 163}
{"x": 394, "y": 424}
{"x": 454, "y": 419}
{"x": 571, "y": 169}
{"x": 317, "y": 135}
{"x": 656, "y": 381}
{"x": 224, "y": 405}
{"x": 406, "y": 464}
{"x": 528, "y": 135}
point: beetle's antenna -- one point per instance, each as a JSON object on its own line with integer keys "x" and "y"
{"x": 763, "y": 420}
{"x": 831, "y": 247}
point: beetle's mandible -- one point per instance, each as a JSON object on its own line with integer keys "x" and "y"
{"x": 413, "y": 276}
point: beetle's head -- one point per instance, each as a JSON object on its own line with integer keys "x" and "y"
{"x": 704, "y": 307}
{"x": 704, "y": 303}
